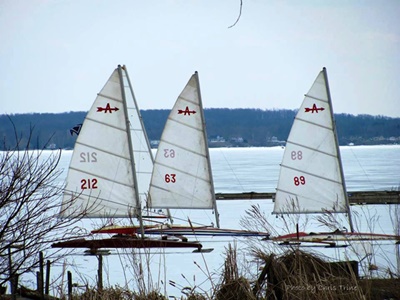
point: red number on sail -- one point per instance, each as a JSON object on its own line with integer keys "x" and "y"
{"x": 89, "y": 184}
{"x": 170, "y": 178}
{"x": 299, "y": 180}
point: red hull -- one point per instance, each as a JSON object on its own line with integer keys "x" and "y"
{"x": 126, "y": 242}
{"x": 335, "y": 236}
{"x": 179, "y": 231}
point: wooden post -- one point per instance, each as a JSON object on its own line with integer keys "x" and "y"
{"x": 100, "y": 273}
{"x": 38, "y": 281}
{"x": 69, "y": 278}
{"x": 41, "y": 277}
{"x": 47, "y": 287}
{"x": 13, "y": 277}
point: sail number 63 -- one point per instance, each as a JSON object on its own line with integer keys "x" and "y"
{"x": 299, "y": 180}
{"x": 169, "y": 153}
{"x": 170, "y": 178}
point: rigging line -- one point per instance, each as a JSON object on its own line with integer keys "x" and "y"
{"x": 362, "y": 169}
{"x": 231, "y": 169}
{"x": 193, "y": 222}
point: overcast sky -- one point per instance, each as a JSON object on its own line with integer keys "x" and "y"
{"x": 55, "y": 55}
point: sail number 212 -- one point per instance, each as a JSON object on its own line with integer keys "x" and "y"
{"x": 89, "y": 184}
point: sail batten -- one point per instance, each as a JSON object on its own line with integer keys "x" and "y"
{"x": 312, "y": 174}
{"x": 105, "y": 124}
{"x": 316, "y": 98}
{"x": 312, "y": 149}
{"x": 102, "y": 150}
{"x": 109, "y": 97}
{"x": 186, "y": 125}
{"x": 184, "y": 149}
{"x": 189, "y": 174}
{"x": 312, "y": 123}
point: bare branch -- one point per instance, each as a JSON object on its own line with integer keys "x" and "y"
{"x": 240, "y": 14}
{"x": 30, "y": 192}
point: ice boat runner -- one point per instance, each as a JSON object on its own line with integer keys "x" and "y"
{"x": 311, "y": 179}
{"x": 182, "y": 177}
{"x": 111, "y": 166}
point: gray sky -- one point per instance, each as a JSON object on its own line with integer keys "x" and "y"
{"x": 55, "y": 55}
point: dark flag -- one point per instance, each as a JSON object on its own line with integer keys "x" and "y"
{"x": 76, "y": 129}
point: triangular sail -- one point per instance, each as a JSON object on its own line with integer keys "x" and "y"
{"x": 143, "y": 157}
{"x": 311, "y": 178}
{"x": 182, "y": 174}
{"x": 101, "y": 179}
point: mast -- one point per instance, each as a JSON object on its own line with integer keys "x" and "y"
{"x": 138, "y": 204}
{"x": 207, "y": 151}
{"x": 338, "y": 150}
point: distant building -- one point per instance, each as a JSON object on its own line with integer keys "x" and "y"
{"x": 154, "y": 143}
{"x": 51, "y": 146}
{"x": 218, "y": 139}
{"x": 273, "y": 141}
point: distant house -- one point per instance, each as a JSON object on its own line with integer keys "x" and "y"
{"x": 217, "y": 139}
{"x": 51, "y": 146}
{"x": 237, "y": 140}
{"x": 273, "y": 141}
{"x": 154, "y": 144}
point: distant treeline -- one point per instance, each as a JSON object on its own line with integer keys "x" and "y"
{"x": 225, "y": 127}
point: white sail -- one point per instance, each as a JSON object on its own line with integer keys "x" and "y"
{"x": 101, "y": 177}
{"x": 182, "y": 174}
{"x": 311, "y": 178}
{"x": 143, "y": 157}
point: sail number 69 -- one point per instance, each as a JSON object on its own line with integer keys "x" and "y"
{"x": 299, "y": 180}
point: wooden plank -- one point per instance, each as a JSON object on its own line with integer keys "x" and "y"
{"x": 364, "y": 197}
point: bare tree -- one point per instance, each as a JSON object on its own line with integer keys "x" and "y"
{"x": 30, "y": 191}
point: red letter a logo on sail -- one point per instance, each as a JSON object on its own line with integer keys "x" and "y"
{"x": 314, "y": 109}
{"x": 186, "y": 111}
{"x": 107, "y": 109}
